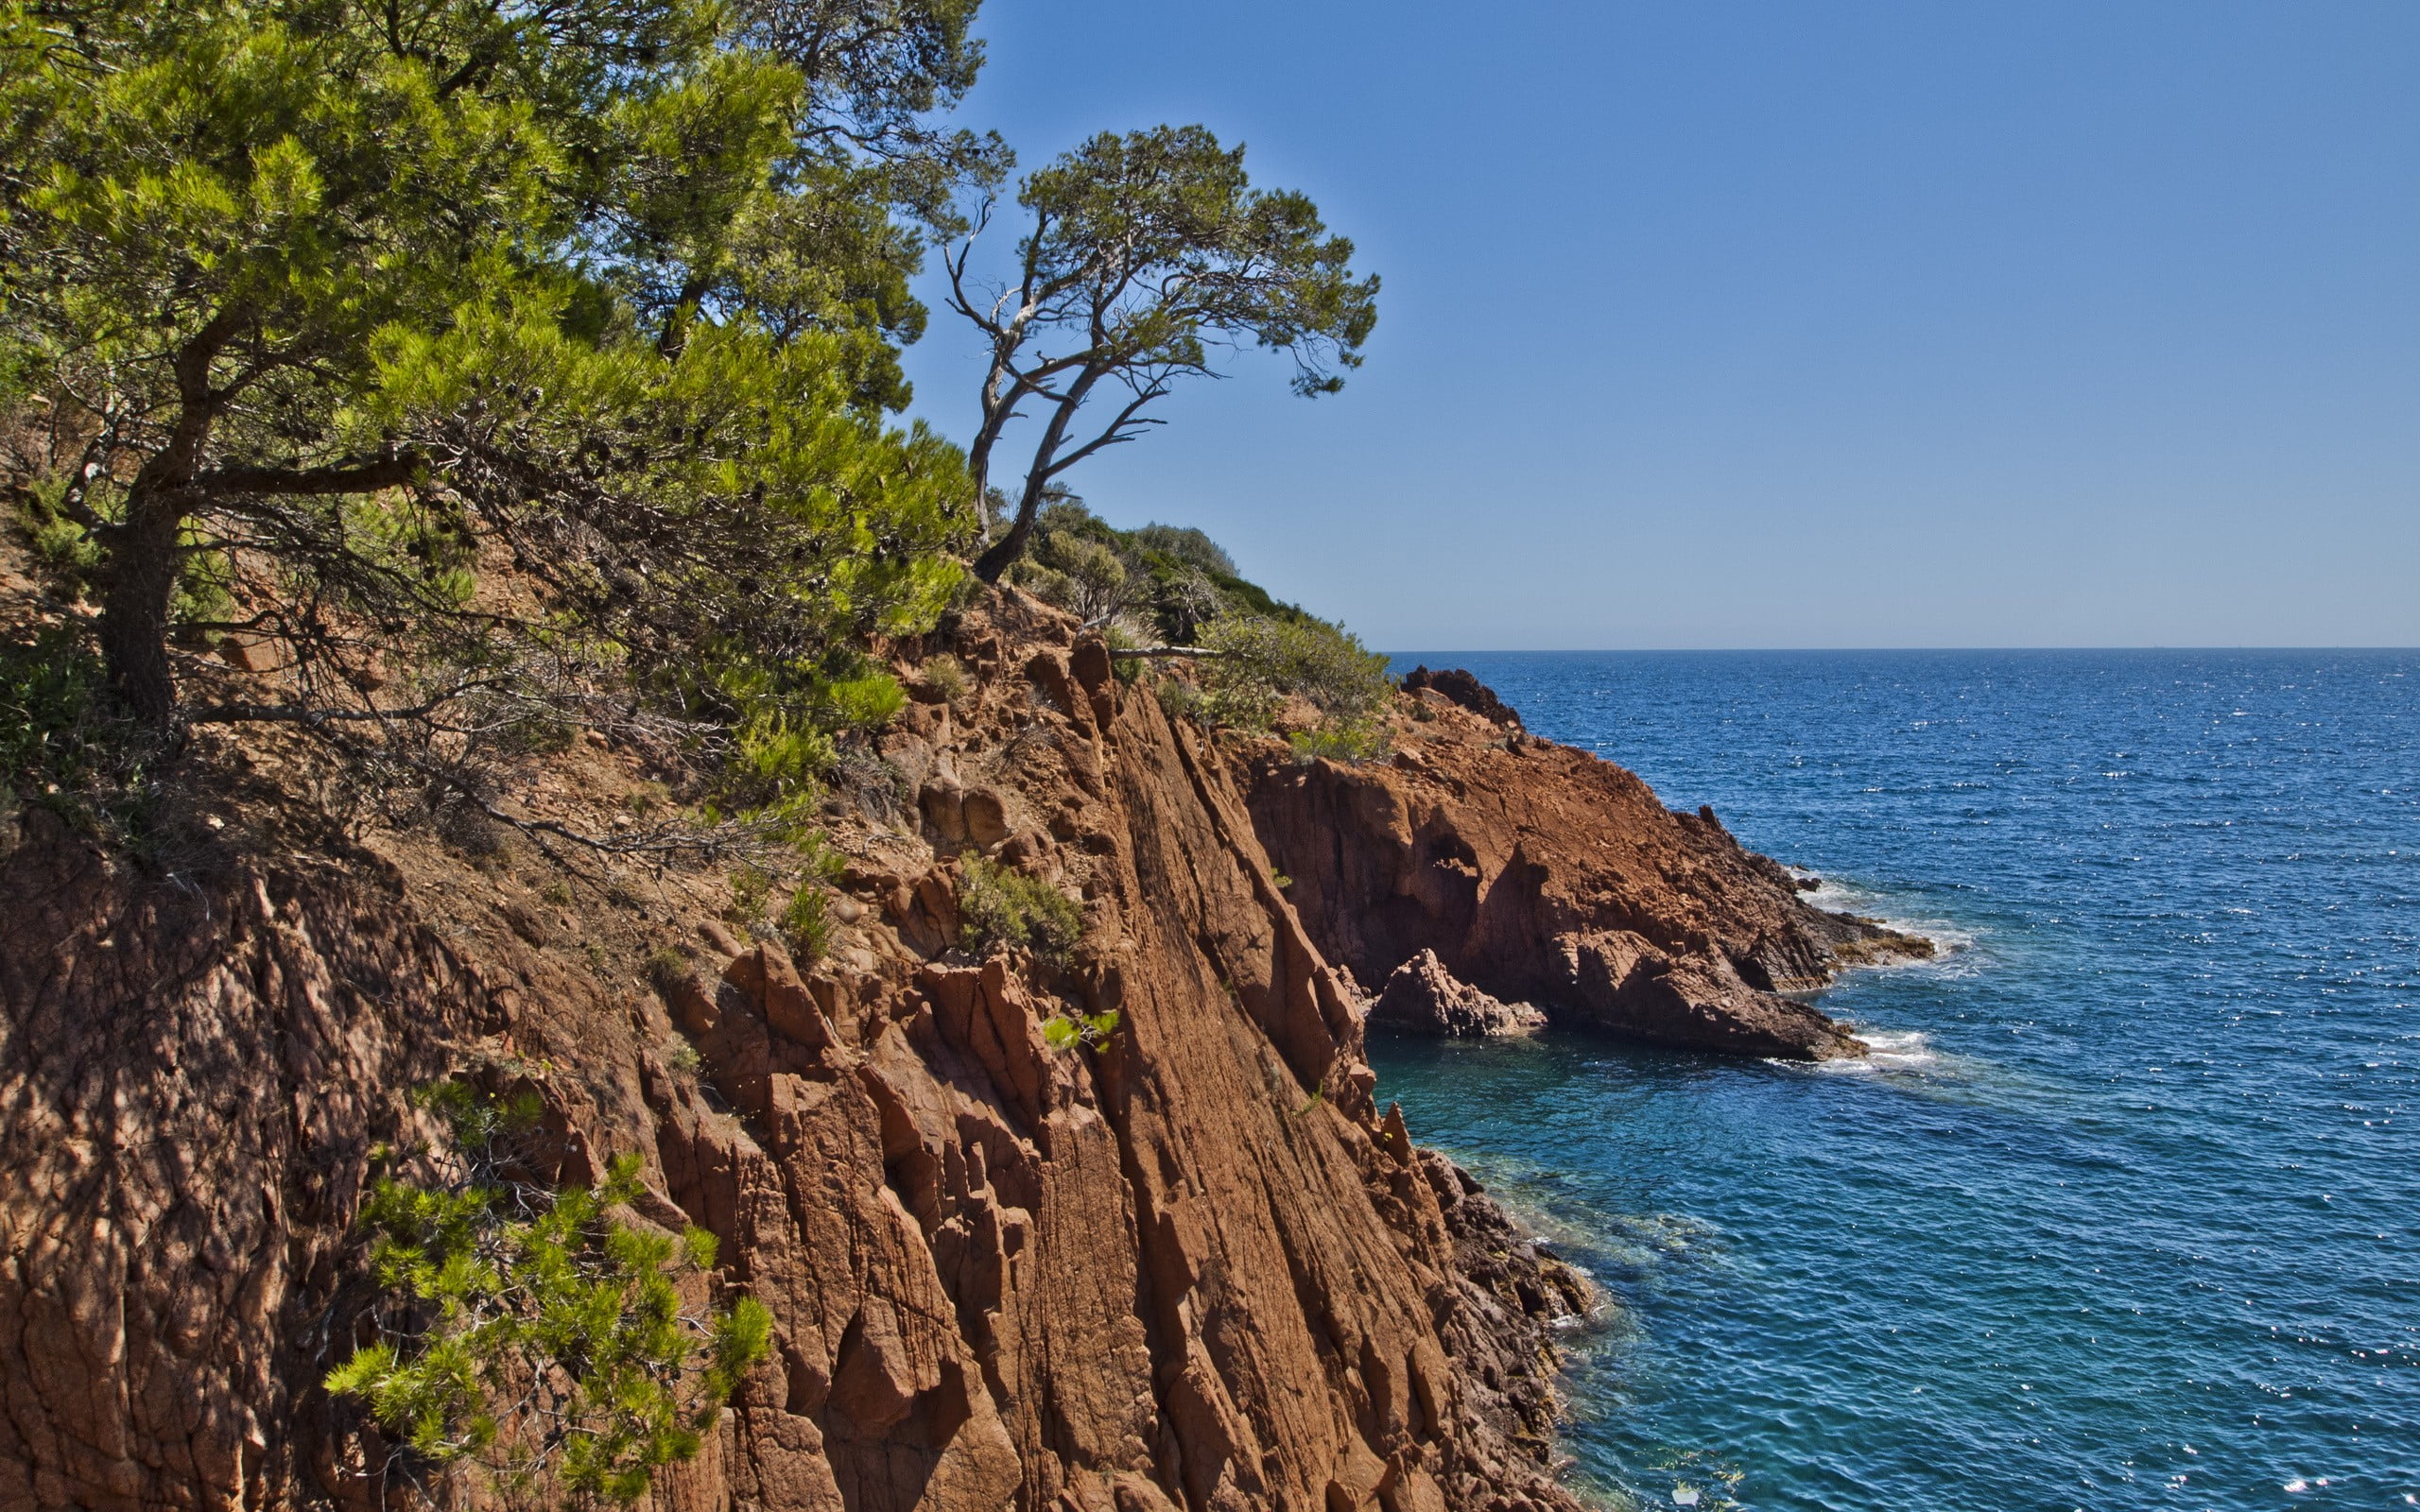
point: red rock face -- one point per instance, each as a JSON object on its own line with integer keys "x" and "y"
{"x": 1539, "y": 873}
{"x": 1193, "y": 1267}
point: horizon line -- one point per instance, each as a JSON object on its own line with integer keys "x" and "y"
{"x": 1836, "y": 650}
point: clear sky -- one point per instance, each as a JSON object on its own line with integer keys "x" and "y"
{"x": 1780, "y": 324}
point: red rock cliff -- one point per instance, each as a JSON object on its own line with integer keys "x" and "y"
{"x": 1195, "y": 1269}
{"x": 1541, "y": 873}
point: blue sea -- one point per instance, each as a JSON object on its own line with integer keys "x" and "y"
{"x": 2125, "y": 1211}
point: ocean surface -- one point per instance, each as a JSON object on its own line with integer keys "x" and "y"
{"x": 2126, "y": 1212}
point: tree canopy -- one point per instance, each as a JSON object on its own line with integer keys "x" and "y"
{"x": 484, "y": 368}
{"x": 1144, "y": 256}
{"x": 341, "y": 318}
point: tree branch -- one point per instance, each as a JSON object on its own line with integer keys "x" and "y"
{"x": 360, "y": 477}
{"x": 1111, "y": 437}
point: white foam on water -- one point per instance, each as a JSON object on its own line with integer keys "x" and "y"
{"x": 1903, "y": 1054}
{"x": 1948, "y": 940}
{"x": 1901, "y": 1050}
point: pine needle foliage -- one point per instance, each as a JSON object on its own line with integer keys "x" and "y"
{"x": 528, "y": 1336}
{"x": 1065, "y": 1031}
{"x": 502, "y": 368}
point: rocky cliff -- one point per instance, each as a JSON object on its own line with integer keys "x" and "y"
{"x": 1193, "y": 1267}
{"x": 1539, "y": 873}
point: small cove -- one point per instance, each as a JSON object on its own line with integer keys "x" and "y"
{"x": 2124, "y": 1212}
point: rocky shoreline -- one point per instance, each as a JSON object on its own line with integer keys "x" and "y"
{"x": 1195, "y": 1266}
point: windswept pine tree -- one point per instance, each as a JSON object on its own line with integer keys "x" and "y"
{"x": 484, "y": 367}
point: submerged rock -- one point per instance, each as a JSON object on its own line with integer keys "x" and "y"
{"x": 1421, "y": 997}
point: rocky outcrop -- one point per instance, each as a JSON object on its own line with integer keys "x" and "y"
{"x": 1192, "y": 1267}
{"x": 1461, "y": 688}
{"x": 1539, "y": 873}
{"x": 1423, "y": 998}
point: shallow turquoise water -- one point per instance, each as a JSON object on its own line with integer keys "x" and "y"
{"x": 2128, "y": 1213}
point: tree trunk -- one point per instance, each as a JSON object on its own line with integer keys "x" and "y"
{"x": 134, "y": 610}
{"x": 143, "y": 552}
{"x": 1003, "y": 553}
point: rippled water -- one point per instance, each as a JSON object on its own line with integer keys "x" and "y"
{"x": 2127, "y": 1212}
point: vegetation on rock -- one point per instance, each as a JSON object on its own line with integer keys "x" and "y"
{"x": 528, "y": 1336}
{"x": 1175, "y": 585}
{"x": 1001, "y": 907}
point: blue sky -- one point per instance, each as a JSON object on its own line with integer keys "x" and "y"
{"x": 1715, "y": 324}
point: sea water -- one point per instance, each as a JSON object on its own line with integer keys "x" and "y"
{"x": 2123, "y": 1213}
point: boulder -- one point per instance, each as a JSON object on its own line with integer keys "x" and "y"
{"x": 1457, "y": 686}
{"x": 1421, "y": 997}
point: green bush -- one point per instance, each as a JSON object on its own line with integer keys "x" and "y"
{"x": 999, "y": 908}
{"x": 807, "y": 922}
{"x": 750, "y": 884}
{"x": 1064, "y": 1031}
{"x": 1359, "y": 740}
{"x": 61, "y": 545}
{"x": 869, "y": 701}
{"x": 945, "y": 676}
{"x": 1185, "y": 545}
{"x": 1179, "y": 699}
{"x": 664, "y": 969}
{"x": 1263, "y": 662}
{"x": 530, "y": 1337}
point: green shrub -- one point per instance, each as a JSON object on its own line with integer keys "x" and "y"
{"x": 947, "y": 676}
{"x": 529, "y": 1337}
{"x": 1263, "y": 662}
{"x": 999, "y": 908}
{"x": 61, "y": 545}
{"x": 823, "y": 860}
{"x": 1179, "y": 699}
{"x": 750, "y": 886}
{"x": 61, "y": 743}
{"x": 869, "y": 701}
{"x": 1120, "y": 636}
{"x": 1184, "y": 545}
{"x": 1064, "y": 1031}
{"x": 684, "y": 1060}
{"x": 780, "y": 762}
{"x": 1359, "y": 740}
{"x": 664, "y": 969}
{"x": 807, "y": 922}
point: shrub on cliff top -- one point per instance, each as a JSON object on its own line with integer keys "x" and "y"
{"x": 529, "y": 1336}
{"x": 1263, "y": 662}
